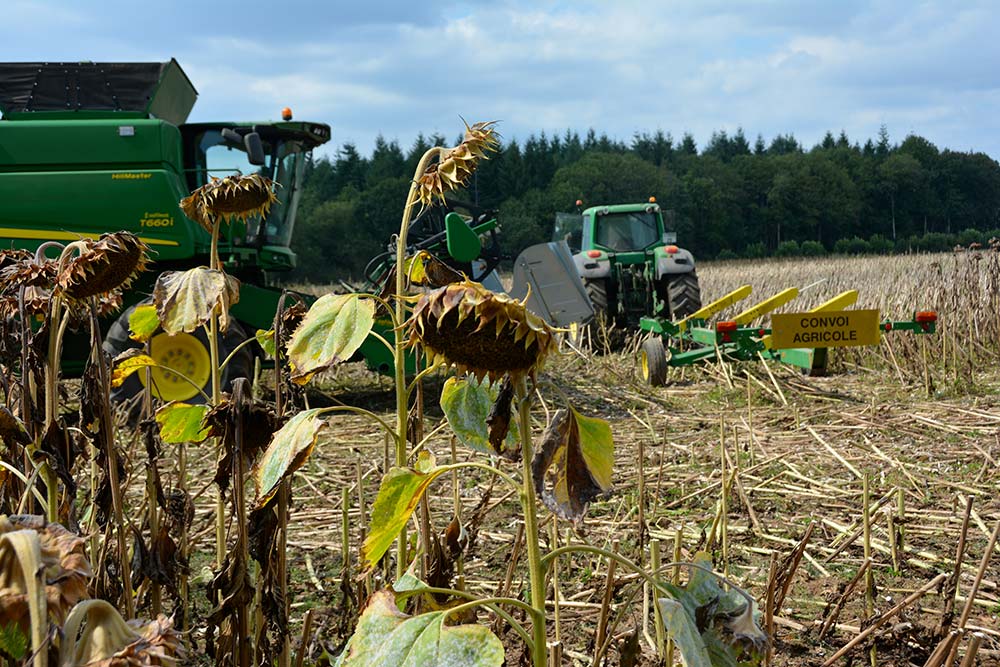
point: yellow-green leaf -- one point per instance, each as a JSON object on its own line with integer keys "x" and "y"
{"x": 129, "y": 362}
{"x": 466, "y": 405}
{"x": 185, "y": 300}
{"x": 386, "y": 636}
{"x": 331, "y": 332}
{"x": 576, "y": 456}
{"x": 398, "y": 495}
{"x": 289, "y": 450}
{"x": 182, "y": 422}
{"x": 143, "y": 322}
{"x": 266, "y": 340}
{"x": 597, "y": 447}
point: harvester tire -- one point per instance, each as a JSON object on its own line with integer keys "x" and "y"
{"x": 193, "y": 348}
{"x": 653, "y": 362}
{"x": 683, "y": 295}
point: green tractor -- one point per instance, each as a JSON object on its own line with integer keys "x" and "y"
{"x": 88, "y": 148}
{"x": 630, "y": 264}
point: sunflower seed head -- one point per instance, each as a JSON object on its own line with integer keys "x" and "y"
{"x": 481, "y": 332}
{"x": 110, "y": 263}
{"x": 233, "y": 197}
{"x": 456, "y": 165}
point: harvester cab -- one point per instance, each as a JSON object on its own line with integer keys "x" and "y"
{"x": 630, "y": 263}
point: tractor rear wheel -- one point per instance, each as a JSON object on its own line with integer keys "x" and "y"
{"x": 597, "y": 290}
{"x": 653, "y": 362}
{"x": 188, "y": 353}
{"x": 601, "y": 330}
{"x": 683, "y": 295}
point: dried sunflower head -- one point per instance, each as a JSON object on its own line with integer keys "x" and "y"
{"x": 456, "y": 165}
{"x": 479, "y": 331}
{"x": 21, "y": 269}
{"x": 237, "y": 196}
{"x": 109, "y": 263}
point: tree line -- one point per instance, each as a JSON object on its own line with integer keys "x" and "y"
{"x": 732, "y": 198}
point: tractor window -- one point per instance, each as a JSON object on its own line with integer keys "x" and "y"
{"x": 627, "y": 231}
{"x": 569, "y": 228}
{"x": 281, "y": 220}
{"x": 214, "y": 156}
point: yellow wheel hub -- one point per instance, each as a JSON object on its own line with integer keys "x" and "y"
{"x": 644, "y": 364}
{"x": 185, "y": 354}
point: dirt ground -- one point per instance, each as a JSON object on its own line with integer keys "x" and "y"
{"x": 799, "y": 447}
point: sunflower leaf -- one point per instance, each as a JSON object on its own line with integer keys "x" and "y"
{"x": 288, "y": 451}
{"x": 398, "y": 496}
{"x": 331, "y": 332}
{"x": 386, "y": 636}
{"x": 129, "y": 362}
{"x": 266, "y": 341}
{"x": 143, "y": 323}
{"x": 711, "y": 626}
{"x": 182, "y": 422}
{"x": 185, "y": 300}
{"x": 467, "y": 406}
{"x": 576, "y": 455}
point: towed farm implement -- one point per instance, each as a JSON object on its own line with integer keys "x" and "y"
{"x": 800, "y": 339}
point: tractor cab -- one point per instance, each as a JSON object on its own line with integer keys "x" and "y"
{"x": 275, "y": 150}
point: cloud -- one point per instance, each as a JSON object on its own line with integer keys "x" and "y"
{"x": 395, "y": 68}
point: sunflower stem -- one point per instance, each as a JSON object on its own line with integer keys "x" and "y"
{"x": 399, "y": 352}
{"x": 528, "y": 505}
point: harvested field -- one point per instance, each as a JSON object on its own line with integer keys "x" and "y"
{"x": 795, "y": 451}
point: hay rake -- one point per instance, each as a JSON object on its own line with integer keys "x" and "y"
{"x": 800, "y": 339}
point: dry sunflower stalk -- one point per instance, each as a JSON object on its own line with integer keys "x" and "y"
{"x": 479, "y": 331}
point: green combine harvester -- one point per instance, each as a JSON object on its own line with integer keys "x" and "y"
{"x": 89, "y": 148}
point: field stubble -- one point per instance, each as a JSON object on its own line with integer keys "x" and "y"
{"x": 796, "y": 452}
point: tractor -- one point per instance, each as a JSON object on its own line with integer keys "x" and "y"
{"x": 629, "y": 263}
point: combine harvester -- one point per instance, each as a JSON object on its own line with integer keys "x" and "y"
{"x": 800, "y": 339}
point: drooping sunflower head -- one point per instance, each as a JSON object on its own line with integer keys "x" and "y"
{"x": 110, "y": 263}
{"x": 479, "y": 331}
{"x": 237, "y": 196}
{"x": 20, "y": 268}
{"x": 456, "y": 165}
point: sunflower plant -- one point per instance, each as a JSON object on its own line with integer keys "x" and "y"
{"x": 496, "y": 348}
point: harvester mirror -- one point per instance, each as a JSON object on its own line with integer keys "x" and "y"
{"x": 670, "y": 238}
{"x": 254, "y": 148}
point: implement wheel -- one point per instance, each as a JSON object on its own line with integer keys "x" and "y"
{"x": 653, "y": 362}
{"x": 186, "y": 353}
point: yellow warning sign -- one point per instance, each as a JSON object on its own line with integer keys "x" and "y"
{"x": 834, "y": 328}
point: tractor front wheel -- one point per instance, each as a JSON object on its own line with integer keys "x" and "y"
{"x": 186, "y": 353}
{"x": 653, "y": 362}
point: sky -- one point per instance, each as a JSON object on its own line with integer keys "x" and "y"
{"x": 621, "y": 67}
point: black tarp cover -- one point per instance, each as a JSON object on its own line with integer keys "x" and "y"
{"x": 27, "y": 87}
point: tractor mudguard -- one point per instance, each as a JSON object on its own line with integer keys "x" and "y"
{"x": 681, "y": 261}
{"x": 557, "y": 294}
{"x": 592, "y": 268}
